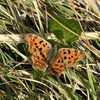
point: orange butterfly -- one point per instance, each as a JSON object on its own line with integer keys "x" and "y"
{"x": 40, "y": 50}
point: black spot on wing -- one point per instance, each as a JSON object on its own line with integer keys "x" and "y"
{"x": 43, "y": 45}
{"x": 63, "y": 49}
{"x": 56, "y": 64}
{"x": 41, "y": 41}
{"x": 61, "y": 66}
{"x": 42, "y": 54}
{"x": 64, "y": 53}
{"x": 65, "y": 57}
{"x": 76, "y": 52}
{"x": 69, "y": 62}
{"x": 36, "y": 46}
{"x": 71, "y": 56}
{"x": 69, "y": 52}
{"x": 40, "y": 49}
{"x": 37, "y": 57}
{"x": 58, "y": 61}
{"x": 34, "y": 50}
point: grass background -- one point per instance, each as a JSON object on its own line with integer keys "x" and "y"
{"x": 71, "y": 24}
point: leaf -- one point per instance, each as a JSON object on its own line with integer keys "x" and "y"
{"x": 61, "y": 33}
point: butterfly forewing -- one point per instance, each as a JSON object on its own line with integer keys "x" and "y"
{"x": 37, "y": 44}
{"x": 70, "y": 56}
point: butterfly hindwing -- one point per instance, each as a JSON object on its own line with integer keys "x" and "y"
{"x": 58, "y": 66}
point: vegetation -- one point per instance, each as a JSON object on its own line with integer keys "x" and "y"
{"x": 67, "y": 23}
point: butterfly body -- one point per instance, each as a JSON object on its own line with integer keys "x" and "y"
{"x": 41, "y": 51}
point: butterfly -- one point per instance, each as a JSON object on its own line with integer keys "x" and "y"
{"x": 41, "y": 50}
